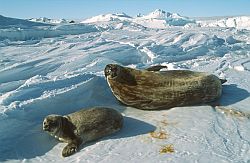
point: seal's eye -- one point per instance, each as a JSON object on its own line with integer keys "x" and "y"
{"x": 109, "y": 70}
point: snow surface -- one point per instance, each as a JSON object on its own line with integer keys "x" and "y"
{"x": 48, "y": 68}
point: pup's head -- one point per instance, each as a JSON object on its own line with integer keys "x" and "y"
{"x": 52, "y": 123}
{"x": 112, "y": 71}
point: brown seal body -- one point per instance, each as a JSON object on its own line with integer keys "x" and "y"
{"x": 149, "y": 90}
{"x": 82, "y": 126}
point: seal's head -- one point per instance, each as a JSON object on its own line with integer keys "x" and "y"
{"x": 52, "y": 123}
{"x": 111, "y": 70}
{"x": 119, "y": 74}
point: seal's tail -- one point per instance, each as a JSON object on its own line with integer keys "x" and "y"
{"x": 223, "y": 81}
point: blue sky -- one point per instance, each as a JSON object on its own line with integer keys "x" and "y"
{"x": 81, "y": 9}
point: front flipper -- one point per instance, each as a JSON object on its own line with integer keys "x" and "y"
{"x": 156, "y": 68}
{"x": 71, "y": 148}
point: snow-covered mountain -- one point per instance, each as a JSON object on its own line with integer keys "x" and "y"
{"x": 156, "y": 19}
{"x": 49, "y": 21}
{"x": 161, "y": 19}
{"x": 166, "y": 18}
{"x": 49, "y": 68}
{"x": 108, "y": 17}
{"x": 18, "y": 29}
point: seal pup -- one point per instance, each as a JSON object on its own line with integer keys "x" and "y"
{"x": 82, "y": 126}
{"x": 152, "y": 89}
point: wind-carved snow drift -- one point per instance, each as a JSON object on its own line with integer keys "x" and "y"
{"x": 18, "y": 29}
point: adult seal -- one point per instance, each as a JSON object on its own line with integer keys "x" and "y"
{"x": 82, "y": 126}
{"x": 152, "y": 89}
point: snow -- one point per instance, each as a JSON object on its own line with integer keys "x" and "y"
{"x": 107, "y": 17}
{"x": 23, "y": 30}
{"x": 7, "y": 22}
{"x": 172, "y": 19}
{"x": 50, "y": 68}
{"x": 239, "y": 22}
{"x": 48, "y": 20}
{"x": 157, "y": 19}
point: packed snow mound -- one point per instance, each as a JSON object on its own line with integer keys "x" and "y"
{"x": 107, "y": 17}
{"x": 6, "y": 22}
{"x": 49, "y": 21}
{"x": 241, "y": 22}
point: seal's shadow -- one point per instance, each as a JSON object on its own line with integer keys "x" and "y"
{"x": 133, "y": 127}
{"x": 232, "y": 94}
{"x": 39, "y": 143}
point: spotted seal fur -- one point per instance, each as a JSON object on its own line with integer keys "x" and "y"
{"x": 82, "y": 126}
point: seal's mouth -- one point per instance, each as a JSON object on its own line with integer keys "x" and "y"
{"x": 111, "y": 71}
{"x": 46, "y": 129}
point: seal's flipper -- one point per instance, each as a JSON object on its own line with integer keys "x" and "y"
{"x": 70, "y": 149}
{"x": 223, "y": 81}
{"x": 156, "y": 68}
